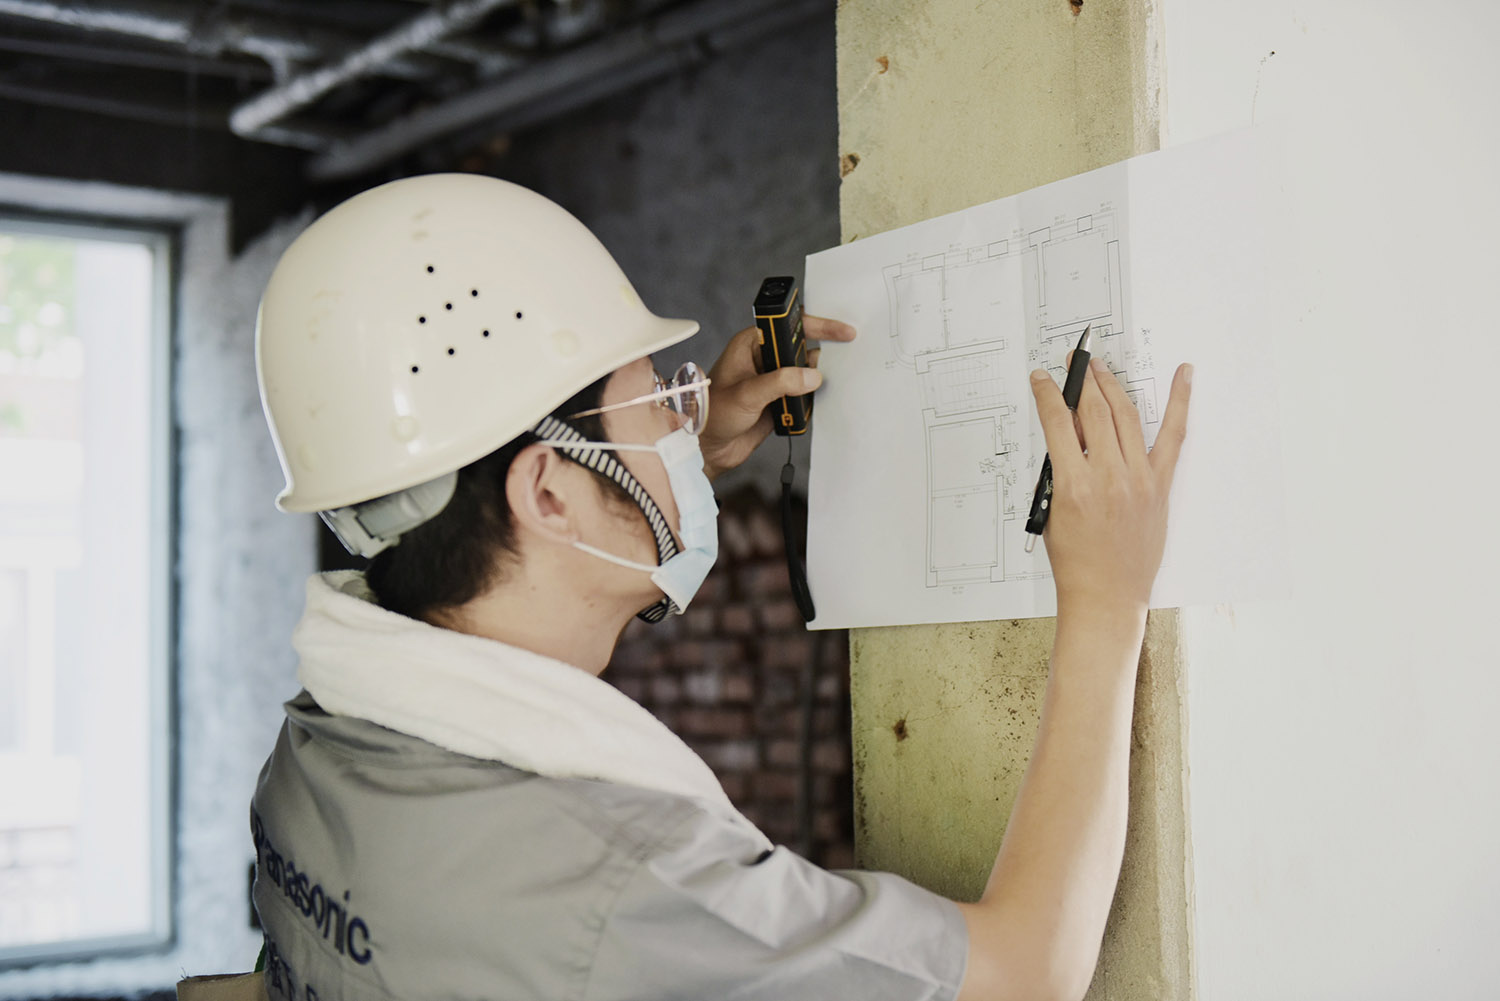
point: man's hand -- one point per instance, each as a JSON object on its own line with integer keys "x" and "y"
{"x": 737, "y": 417}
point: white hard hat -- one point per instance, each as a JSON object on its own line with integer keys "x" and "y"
{"x": 422, "y": 324}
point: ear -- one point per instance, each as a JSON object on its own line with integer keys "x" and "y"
{"x": 541, "y": 494}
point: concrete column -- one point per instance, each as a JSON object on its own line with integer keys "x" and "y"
{"x": 944, "y": 104}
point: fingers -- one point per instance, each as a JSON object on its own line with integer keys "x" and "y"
{"x": 820, "y": 328}
{"x": 754, "y": 394}
{"x": 750, "y": 440}
{"x": 1098, "y": 424}
{"x": 1173, "y": 430}
{"x": 741, "y": 357}
{"x": 1127, "y": 419}
{"x": 738, "y": 360}
{"x": 1057, "y": 423}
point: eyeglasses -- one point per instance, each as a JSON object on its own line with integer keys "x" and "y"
{"x": 685, "y": 395}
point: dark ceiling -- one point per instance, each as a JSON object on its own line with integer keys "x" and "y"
{"x": 275, "y": 102}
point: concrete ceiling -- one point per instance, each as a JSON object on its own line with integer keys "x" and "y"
{"x": 325, "y": 95}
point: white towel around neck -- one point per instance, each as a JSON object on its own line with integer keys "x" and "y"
{"x": 487, "y": 699}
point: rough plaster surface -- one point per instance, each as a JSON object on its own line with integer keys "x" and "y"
{"x": 240, "y": 572}
{"x": 946, "y": 104}
{"x": 942, "y": 105}
{"x": 944, "y": 719}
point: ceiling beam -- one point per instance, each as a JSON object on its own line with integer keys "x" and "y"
{"x": 432, "y": 25}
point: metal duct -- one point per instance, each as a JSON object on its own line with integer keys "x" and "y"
{"x": 634, "y": 54}
{"x": 430, "y": 26}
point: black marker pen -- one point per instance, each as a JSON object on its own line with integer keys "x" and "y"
{"x": 1041, "y": 501}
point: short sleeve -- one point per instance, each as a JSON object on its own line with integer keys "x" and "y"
{"x": 702, "y": 916}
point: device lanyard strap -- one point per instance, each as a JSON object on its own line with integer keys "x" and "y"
{"x": 796, "y": 570}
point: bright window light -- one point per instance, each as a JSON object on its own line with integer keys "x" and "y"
{"x": 85, "y": 601}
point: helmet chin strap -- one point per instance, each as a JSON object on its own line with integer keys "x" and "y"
{"x": 603, "y": 461}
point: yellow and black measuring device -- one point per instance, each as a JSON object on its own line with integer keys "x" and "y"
{"x": 778, "y": 314}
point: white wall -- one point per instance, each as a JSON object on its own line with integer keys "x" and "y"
{"x": 1344, "y": 762}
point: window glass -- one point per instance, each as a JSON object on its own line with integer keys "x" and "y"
{"x": 84, "y": 601}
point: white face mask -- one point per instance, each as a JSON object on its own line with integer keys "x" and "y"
{"x": 682, "y": 574}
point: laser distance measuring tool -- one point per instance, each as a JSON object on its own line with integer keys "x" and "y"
{"x": 778, "y": 314}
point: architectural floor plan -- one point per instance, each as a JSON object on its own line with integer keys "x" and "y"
{"x": 960, "y": 320}
{"x": 926, "y": 448}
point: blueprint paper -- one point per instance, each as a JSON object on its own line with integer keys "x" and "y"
{"x": 926, "y": 447}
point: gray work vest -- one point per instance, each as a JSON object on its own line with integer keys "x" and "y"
{"x": 388, "y": 867}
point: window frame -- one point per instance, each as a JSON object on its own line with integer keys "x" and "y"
{"x": 163, "y": 241}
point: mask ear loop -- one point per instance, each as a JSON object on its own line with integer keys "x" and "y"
{"x": 550, "y": 429}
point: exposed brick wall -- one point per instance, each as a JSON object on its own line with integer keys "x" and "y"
{"x": 728, "y": 677}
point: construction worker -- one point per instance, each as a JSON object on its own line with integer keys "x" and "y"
{"x": 457, "y": 376}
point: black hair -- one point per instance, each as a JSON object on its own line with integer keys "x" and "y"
{"x": 457, "y": 556}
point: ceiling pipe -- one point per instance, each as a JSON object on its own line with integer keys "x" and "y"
{"x": 432, "y": 25}
{"x": 633, "y": 54}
